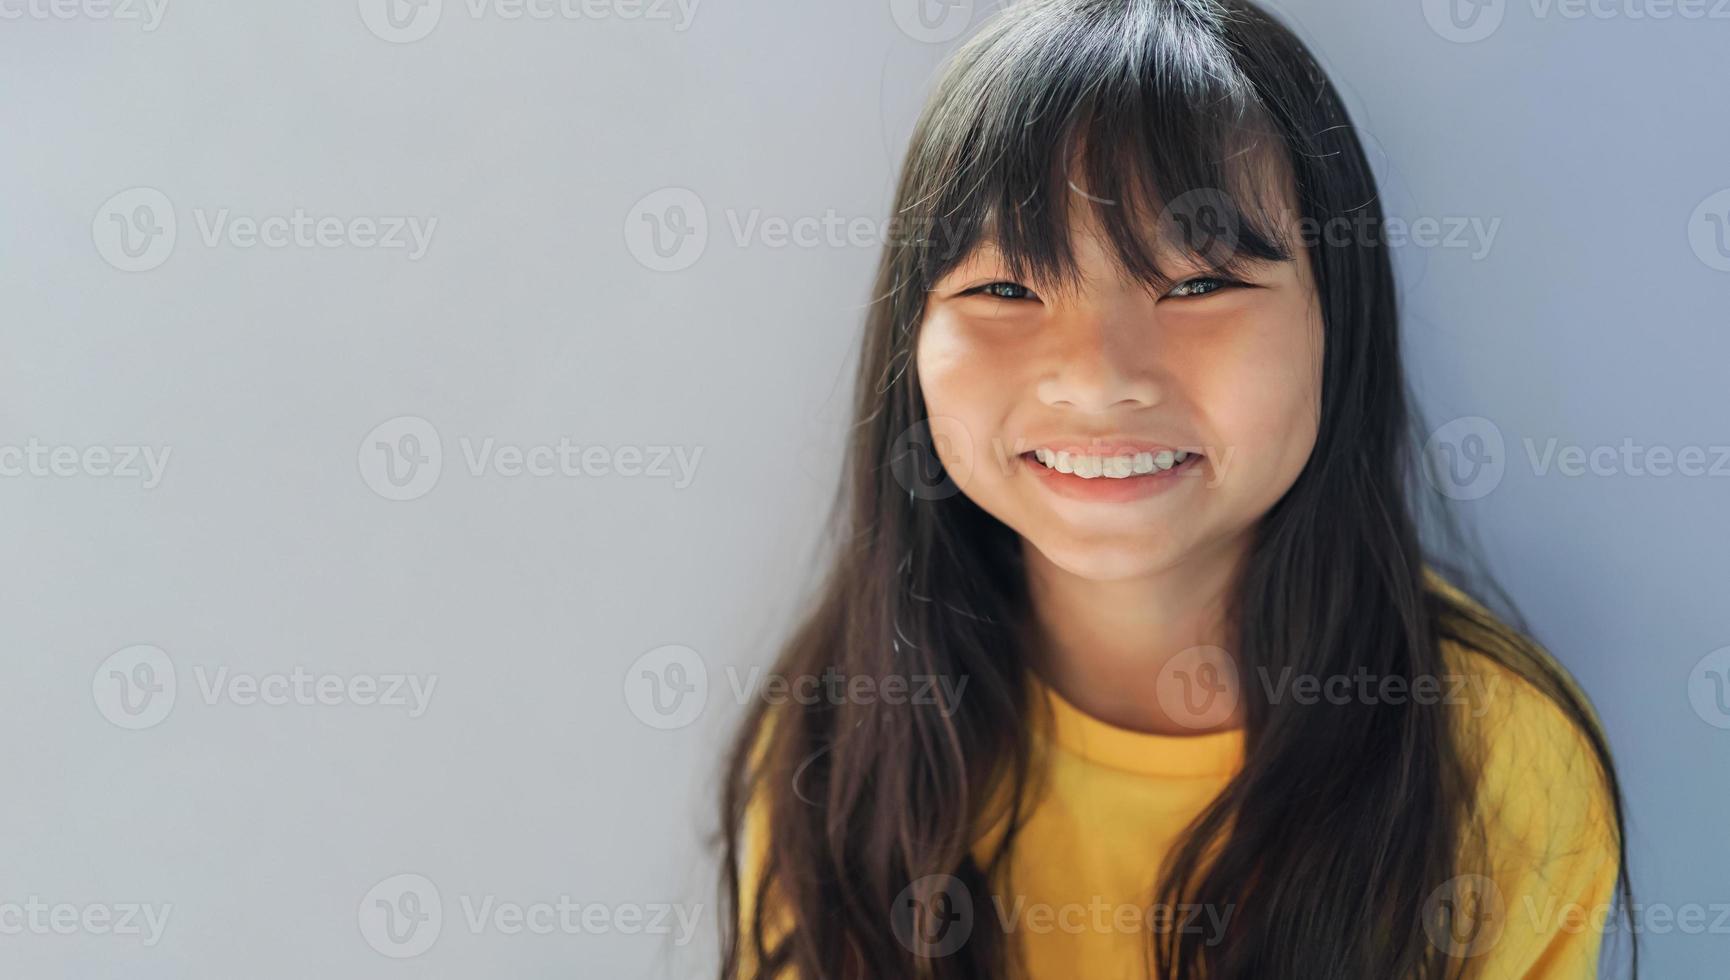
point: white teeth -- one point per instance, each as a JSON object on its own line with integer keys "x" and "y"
{"x": 1112, "y": 467}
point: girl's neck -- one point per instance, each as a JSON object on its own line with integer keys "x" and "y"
{"x": 1101, "y": 645}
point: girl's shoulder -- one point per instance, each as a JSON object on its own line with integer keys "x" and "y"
{"x": 1544, "y": 820}
{"x": 1536, "y": 763}
{"x": 1511, "y": 697}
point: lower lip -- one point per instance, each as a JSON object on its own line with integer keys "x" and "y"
{"x": 1107, "y": 489}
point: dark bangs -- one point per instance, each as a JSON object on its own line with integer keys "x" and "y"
{"x": 1137, "y": 110}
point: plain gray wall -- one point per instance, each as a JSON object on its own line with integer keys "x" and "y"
{"x": 551, "y": 152}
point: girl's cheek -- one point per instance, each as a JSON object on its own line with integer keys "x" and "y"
{"x": 1247, "y": 388}
{"x": 1264, "y": 405}
{"x": 963, "y": 375}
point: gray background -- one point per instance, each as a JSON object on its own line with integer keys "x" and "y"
{"x": 538, "y": 313}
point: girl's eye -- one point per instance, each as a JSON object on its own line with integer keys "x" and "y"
{"x": 1201, "y": 286}
{"x": 1001, "y": 290}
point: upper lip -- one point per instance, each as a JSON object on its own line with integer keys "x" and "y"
{"x": 1105, "y": 446}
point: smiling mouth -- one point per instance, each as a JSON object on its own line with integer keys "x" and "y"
{"x": 1122, "y": 466}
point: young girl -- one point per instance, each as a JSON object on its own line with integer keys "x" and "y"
{"x": 1129, "y": 501}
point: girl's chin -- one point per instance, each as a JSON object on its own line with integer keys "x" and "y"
{"x": 1107, "y": 559}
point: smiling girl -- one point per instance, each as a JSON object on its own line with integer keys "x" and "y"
{"x": 1132, "y": 458}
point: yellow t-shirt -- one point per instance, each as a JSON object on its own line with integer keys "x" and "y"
{"x": 1115, "y": 800}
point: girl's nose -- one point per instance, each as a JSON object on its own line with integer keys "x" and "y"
{"x": 1100, "y": 362}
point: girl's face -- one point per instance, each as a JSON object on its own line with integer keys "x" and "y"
{"x": 1114, "y": 375}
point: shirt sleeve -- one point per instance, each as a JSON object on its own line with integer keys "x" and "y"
{"x": 753, "y": 853}
{"x": 1550, "y": 838}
